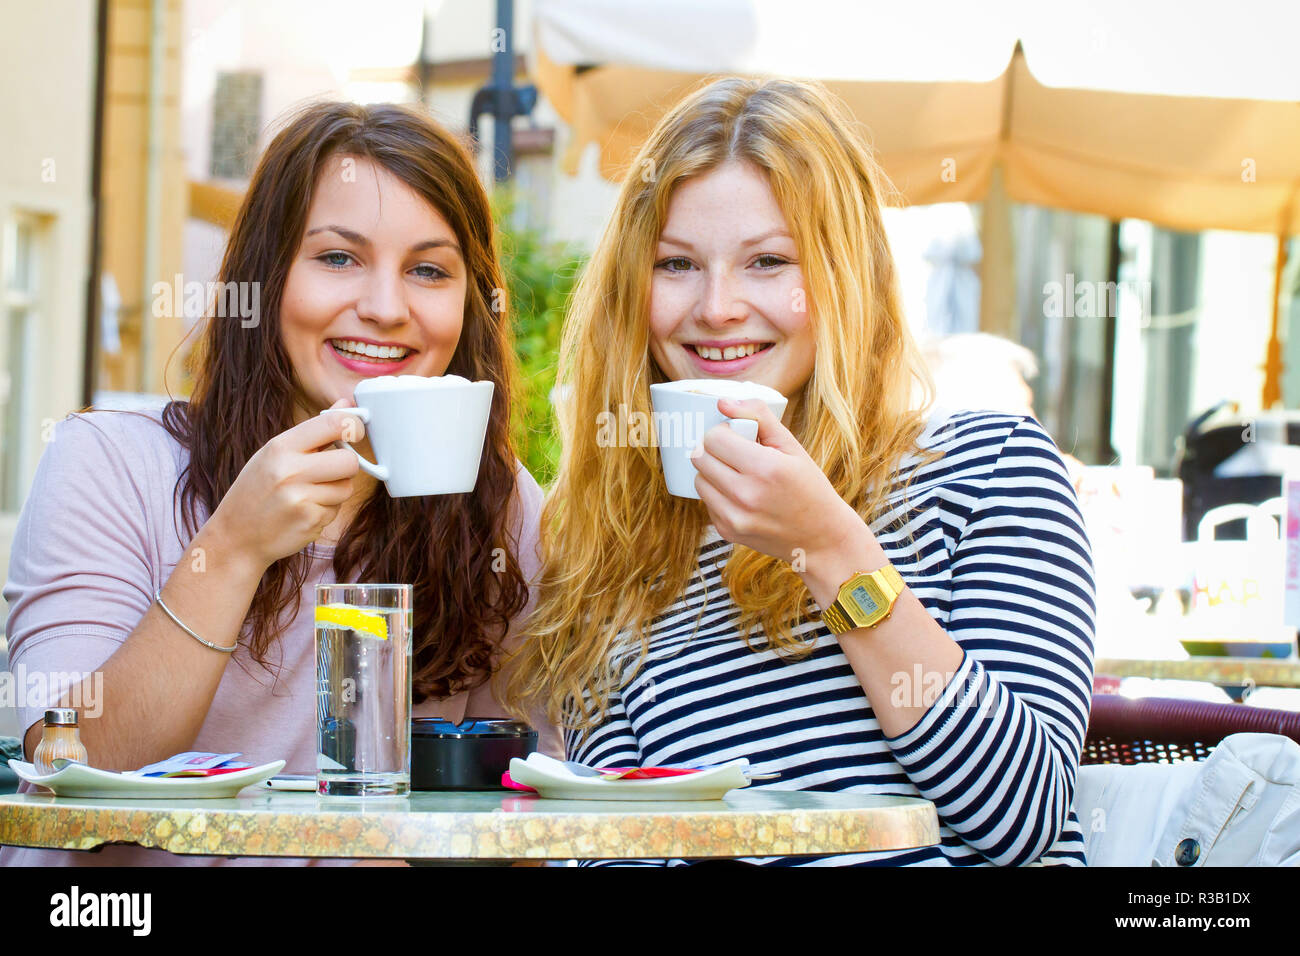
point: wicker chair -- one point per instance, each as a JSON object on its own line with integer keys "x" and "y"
{"x": 1156, "y": 730}
{"x": 10, "y": 747}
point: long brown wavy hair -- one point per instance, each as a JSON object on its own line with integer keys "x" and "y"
{"x": 445, "y": 546}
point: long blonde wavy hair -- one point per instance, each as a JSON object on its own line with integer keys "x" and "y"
{"x": 617, "y": 549}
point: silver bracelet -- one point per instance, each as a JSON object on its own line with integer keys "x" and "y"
{"x": 157, "y": 596}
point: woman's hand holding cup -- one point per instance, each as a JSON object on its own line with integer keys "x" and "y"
{"x": 769, "y": 494}
{"x": 292, "y": 488}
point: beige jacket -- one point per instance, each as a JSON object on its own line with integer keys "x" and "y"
{"x": 1240, "y": 807}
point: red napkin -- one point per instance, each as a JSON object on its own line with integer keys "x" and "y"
{"x": 645, "y": 773}
{"x": 508, "y": 782}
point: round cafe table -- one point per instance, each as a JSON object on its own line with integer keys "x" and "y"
{"x": 478, "y": 826}
{"x": 1250, "y": 671}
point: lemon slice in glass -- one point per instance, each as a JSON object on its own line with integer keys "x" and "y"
{"x": 354, "y": 618}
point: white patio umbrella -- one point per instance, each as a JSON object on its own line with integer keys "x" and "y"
{"x": 1186, "y": 114}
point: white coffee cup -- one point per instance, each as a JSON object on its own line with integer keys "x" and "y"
{"x": 685, "y": 410}
{"x": 427, "y": 432}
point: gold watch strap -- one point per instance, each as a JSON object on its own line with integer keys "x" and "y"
{"x": 837, "y": 620}
{"x": 891, "y": 575}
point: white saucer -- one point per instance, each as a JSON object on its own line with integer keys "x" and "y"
{"x": 78, "y": 780}
{"x": 551, "y": 778}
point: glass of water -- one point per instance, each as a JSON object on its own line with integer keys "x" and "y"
{"x": 363, "y": 689}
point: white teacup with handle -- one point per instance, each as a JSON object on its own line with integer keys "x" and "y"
{"x": 427, "y": 433}
{"x": 686, "y": 409}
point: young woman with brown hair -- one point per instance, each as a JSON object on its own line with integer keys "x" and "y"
{"x": 370, "y": 243}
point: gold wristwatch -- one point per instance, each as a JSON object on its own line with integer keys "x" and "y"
{"x": 864, "y": 600}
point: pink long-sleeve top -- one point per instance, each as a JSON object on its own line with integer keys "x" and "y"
{"x": 99, "y": 532}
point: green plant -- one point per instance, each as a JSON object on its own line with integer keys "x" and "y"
{"x": 539, "y": 279}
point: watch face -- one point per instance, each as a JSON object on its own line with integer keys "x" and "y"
{"x": 863, "y": 599}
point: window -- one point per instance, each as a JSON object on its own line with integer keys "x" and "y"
{"x": 533, "y": 170}
{"x": 18, "y": 320}
{"x": 1064, "y": 303}
{"x": 236, "y": 120}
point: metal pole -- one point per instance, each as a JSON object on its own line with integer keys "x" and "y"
{"x": 1106, "y": 453}
{"x": 1273, "y": 364}
{"x": 153, "y": 191}
{"x": 501, "y": 98}
{"x": 424, "y": 61}
{"x": 503, "y": 81}
{"x": 90, "y": 358}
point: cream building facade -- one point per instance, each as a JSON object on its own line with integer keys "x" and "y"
{"x": 48, "y": 51}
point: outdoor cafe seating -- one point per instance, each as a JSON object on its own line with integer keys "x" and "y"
{"x": 1154, "y": 730}
{"x": 1187, "y": 783}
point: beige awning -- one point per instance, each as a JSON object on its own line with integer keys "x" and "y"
{"x": 1117, "y": 109}
{"x": 1185, "y": 113}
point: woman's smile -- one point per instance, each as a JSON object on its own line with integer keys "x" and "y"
{"x": 720, "y": 358}
{"x": 368, "y": 357}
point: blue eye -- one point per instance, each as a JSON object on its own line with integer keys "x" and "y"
{"x": 327, "y": 257}
{"x": 433, "y": 272}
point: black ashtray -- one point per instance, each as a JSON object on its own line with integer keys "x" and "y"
{"x": 468, "y": 756}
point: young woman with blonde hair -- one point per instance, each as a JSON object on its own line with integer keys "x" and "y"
{"x": 864, "y": 599}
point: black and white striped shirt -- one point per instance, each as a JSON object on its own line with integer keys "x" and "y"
{"x": 990, "y": 538}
